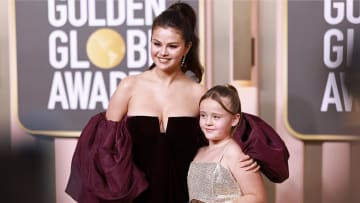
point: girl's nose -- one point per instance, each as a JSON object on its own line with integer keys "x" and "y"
{"x": 208, "y": 121}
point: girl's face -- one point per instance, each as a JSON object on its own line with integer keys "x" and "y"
{"x": 215, "y": 122}
{"x": 167, "y": 48}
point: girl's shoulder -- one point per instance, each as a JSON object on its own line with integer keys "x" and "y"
{"x": 233, "y": 156}
{"x": 233, "y": 151}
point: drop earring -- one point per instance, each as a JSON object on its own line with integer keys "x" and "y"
{"x": 183, "y": 60}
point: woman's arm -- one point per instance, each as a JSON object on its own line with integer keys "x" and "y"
{"x": 119, "y": 101}
{"x": 249, "y": 164}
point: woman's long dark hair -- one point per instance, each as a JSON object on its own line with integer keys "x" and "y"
{"x": 181, "y": 16}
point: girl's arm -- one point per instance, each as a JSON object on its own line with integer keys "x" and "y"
{"x": 250, "y": 182}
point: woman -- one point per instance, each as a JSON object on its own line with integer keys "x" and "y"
{"x": 160, "y": 102}
{"x": 159, "y": 109}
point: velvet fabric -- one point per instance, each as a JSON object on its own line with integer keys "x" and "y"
{"x": 102, "y": 168}
{"x": 164, "y": 157}
{"x": 260, "y": 141}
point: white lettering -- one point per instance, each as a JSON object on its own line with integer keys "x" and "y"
{"x": 74, "y": 61}
{"x": 72, "y": 6}
{"x": 59, "y": 54}
{"x": 110, "y": 14}
{"x": 331, "y": 88}
{"x": 98, "y": 93}
{"x": 79, "y": 12}
{"x": 337, "y": 50}
{"x": 350, "y": 45}
{"x": 58, "y": 93}
{"x": 53, "y": 10}
{"x": 340, "y": 10}
{"x": 77, "y": 88}
{"x": 350, "y": 12}
{"x": 136, "y": 52}
{"x": 57, "y": 50}
{"x": 130, "y": 10}
{"x": 339, "y": 6}
{"x": 153, "y": 5}
{"x": 80, "y": 90}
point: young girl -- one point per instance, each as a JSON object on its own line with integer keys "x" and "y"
{"x": 215, "y": 174}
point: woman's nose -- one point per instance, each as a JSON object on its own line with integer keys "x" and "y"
{"x": 163, "y": 51}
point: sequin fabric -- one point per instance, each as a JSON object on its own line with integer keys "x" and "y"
{"x": 211, "y": 182}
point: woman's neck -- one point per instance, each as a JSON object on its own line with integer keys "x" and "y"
{"x": 167, "y": 77}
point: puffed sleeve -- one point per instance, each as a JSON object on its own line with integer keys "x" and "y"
{"x": 102, "y": 168}
{"x": 260, "y": 141}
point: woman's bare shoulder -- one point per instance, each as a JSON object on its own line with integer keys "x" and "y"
{"x": 132, "y": 81}
{"x": 200, "y": 88}
{"x": 128, "y": 81}
{"x": 126, "y": 87}
{"x": 196, "y": 88}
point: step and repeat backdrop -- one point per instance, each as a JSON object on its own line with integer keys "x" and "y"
{"x": 323, "y": 64}
{"x": 71, "y": 55}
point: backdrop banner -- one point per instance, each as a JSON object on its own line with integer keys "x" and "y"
{"x": 323, "y": 52}
{"x": 71, "y": 55}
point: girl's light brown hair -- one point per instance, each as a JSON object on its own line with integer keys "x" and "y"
{"x": 219, "y": 92}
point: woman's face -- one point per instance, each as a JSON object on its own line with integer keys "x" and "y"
{"x": 167, "y": 48}
{"x": 215, "y": 122}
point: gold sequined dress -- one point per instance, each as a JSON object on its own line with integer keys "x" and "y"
{"x": 210, "y": 182}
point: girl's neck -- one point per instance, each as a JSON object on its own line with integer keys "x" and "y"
{"x": 219, "y": 143}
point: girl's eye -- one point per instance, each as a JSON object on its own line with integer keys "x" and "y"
{"x": 216, "y": 117}
{"x": 173, "y": 46}
{"x": 202, "y": 115}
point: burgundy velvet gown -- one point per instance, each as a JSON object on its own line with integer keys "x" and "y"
{"x": 132, "y": 161}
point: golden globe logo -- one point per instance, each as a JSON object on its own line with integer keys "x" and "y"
{"x": 105, "y": 48}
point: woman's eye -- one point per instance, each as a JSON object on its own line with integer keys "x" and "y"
{"x": 173, "y": 46}
{"x": 156, "y": 43}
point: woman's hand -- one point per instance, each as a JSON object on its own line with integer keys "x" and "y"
{"x": 249, "y": 164}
